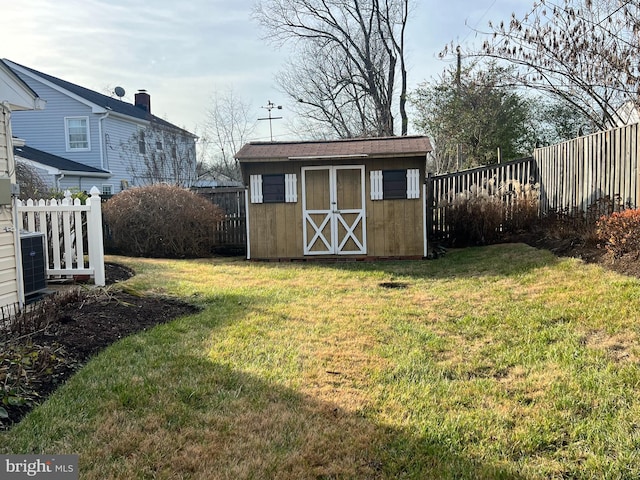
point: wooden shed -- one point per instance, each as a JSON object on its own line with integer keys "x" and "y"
{"x": 355, "y": 198}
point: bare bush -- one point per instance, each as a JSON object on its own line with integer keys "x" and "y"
{"x": 484, "y": 214}
{"x": 161, "y": 221}
{"x": 32, "y": 185}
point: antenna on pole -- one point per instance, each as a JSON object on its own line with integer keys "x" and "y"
{"x": 270, "y": 106}
{"x": 458, "y": 85}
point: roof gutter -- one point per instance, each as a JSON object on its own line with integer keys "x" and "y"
{"x": 330, "y": 157}
{"x": 85, "y": 174}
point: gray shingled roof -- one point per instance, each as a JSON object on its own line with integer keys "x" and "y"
{"x": 413, "y": 146}
{"x": 55, "y": 161}
{"x": 110, "y": 103}
{"x": 17, "y": 78}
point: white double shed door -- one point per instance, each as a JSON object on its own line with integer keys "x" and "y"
{"x": 333, "y": 210}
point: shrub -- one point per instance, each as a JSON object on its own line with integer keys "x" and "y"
{"x": 162, "y": 221}
{"x": 620, "y": 232}
{"x": 474, "y": 219}
{"x": 483, "y": 215}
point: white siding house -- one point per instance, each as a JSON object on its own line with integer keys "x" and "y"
{"x": 121, "y": 143}
{"x": 15, "y": 96}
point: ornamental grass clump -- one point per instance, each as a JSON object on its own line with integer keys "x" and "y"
{"x": 161, "y": 221}
{"x": 619, "y": 232}
{"x": 483, "y": 215}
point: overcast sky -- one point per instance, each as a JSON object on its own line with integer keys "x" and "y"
{"x": 181, "y": 51}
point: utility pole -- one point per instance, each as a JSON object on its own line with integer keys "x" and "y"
{"x": 270, "y": 106}
{"x": 458, "y": 85}
{"x": 459, "y": 67}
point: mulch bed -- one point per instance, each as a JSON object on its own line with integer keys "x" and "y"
{"x": 79, "y": 324}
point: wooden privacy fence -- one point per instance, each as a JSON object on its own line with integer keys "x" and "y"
{"x": 231, "y": 231}
{"x": 505, "y": 180}
{"x": 576, "y": 174}
{"x": 72, "y": 232}
{"x": 229, "y": 199}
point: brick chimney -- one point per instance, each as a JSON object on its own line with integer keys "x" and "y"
{"x": 143, "y": 100}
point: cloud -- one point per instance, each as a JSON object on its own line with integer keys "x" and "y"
{"x": 181, "y": 51}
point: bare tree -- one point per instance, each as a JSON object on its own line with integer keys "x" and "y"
{"x": 229, "y": 125}
{"x": 32, "y": 185}
{"x": 161, "y": 153}
{"x": 583, "y": 51}
{"x": 348, "y": 55}
{"x": 331, "y": 107}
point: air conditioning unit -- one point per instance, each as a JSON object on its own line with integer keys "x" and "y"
{"x": 34, "y": 275}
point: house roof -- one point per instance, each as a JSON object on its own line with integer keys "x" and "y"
{"x": 108, "y": 103}
{"x": 55, "y": 162}
{"x": 414, "y": 146}
{"x": 17, "y": 93}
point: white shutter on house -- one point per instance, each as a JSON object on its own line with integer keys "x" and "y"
{"x": 255, "y": 184}
{"x": 290, "y": 188}
{"x": 376, "y": 184}
{"x": 413, "y": 183}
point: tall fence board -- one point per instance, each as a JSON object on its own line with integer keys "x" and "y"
{"x": 577, "y": 174}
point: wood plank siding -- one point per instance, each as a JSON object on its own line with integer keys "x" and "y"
{"x": 276, "y": 228}
{"x": 394, "y": 227}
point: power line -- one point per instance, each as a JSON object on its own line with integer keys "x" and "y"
{"x": 473, "y": 29}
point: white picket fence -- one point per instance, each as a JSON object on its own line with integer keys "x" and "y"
{"x": 72, "y": 232}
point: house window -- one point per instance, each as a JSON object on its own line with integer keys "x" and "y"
{"x": 274, "y": 188}
{"x": 142, "y": 145}
{"x": 77, "y": 132}
{"x": 395, "y": 184}
{"x": 159, "y": 146}
{"x": 107, "y": 189}
{"x": 174, "y": 152}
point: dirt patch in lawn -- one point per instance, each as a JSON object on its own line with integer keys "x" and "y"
{"x": 69, "y": 328}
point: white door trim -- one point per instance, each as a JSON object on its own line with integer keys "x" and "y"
{"x": 334, "y": 216}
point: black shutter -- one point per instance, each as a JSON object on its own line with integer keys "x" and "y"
{"x": 394, "y": 184}
{"x": 273, "y": 188}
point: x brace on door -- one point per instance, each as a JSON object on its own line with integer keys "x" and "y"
{"x": 331, "y": 223}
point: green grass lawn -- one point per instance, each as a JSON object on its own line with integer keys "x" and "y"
{"x": 496, "y": 362}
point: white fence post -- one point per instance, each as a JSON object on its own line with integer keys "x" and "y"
{"x": 94, "y": 231}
